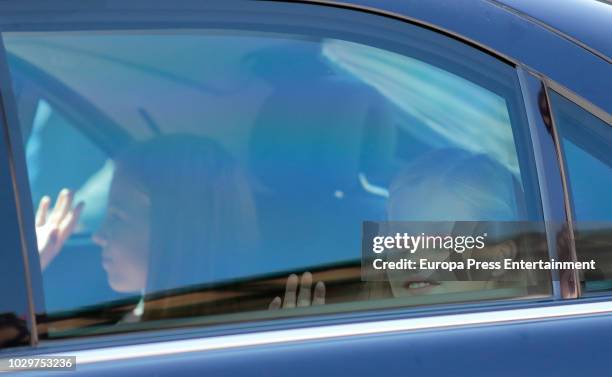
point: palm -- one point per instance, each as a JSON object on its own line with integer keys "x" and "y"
{"x": 53, "y": 228}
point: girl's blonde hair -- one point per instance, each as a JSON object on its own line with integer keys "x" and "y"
{"x": 486, "y": 187}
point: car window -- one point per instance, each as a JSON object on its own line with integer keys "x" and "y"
{"x": 249, "y": 168}
{"x": 587, "y": 141}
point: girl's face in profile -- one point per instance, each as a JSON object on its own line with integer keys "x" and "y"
{"x": 124, "y": 235}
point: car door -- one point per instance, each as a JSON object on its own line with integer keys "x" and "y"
{"x": 329, "y": 119}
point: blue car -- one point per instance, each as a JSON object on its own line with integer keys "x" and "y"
{"x": 263, "y": 188}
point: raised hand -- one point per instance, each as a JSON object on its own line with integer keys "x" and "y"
{"x": 54, "y": 228}
{"x": 302, "y": 298}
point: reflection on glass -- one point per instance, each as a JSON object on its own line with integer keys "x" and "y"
{"x": 439, "y": 107}
{"x": 587, "y": 142}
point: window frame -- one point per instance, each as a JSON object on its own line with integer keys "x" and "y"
{"x": 25, "y": 291}
{"x": 547, "y": 168}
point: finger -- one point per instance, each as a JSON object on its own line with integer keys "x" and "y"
{"x": 275, "y": 304}
{"x": 66, "y": 227}
{"x": 319, "y": 294}
{"x": 43, "y": 209}
{"x": 62, "y": 206}
{"x": 290, "y": 290}
{"x": 304, "y": 294}
{"x": 49, "y": 252}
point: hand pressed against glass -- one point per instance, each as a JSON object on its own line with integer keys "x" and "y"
{"x": 306, "y": 295}
{"x": 53, "y": 229}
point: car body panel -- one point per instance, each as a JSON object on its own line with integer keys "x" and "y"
{"x": 580, "y": 20}
{"x": 507, "y": 349}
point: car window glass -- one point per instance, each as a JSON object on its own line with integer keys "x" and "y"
{"x": 587, "y": 141}
{"x": 254, "y": 156}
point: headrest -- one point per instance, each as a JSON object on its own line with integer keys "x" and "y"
{"x": 311, "y": 136}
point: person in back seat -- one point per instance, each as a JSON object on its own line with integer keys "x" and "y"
{"x": 175, "y": 206}
{"x": 444, "y": 187}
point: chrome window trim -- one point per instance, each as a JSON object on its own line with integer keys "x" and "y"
{"x": 167, "y": 348}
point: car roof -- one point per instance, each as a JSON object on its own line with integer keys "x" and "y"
{"x": 585, "y": 22}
